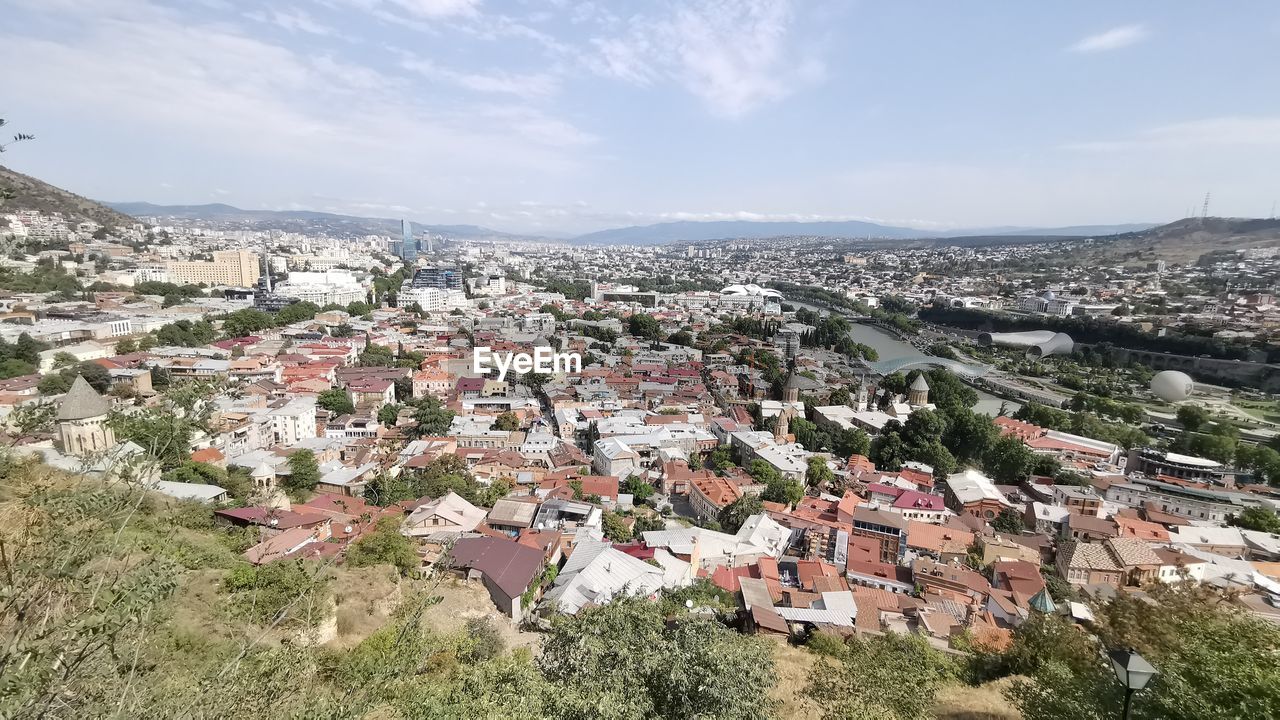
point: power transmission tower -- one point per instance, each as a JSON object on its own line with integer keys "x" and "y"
{"x": 1204, "y": 211}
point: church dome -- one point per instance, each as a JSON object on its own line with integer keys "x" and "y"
{"x": 82, "y": 402}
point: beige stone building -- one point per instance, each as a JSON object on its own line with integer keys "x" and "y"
{"x": 82, "y": 421}
{"x": 229, "y": 267}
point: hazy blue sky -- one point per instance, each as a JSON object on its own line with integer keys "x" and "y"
{"x": 562, "y": 115}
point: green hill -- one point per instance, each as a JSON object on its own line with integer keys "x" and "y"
{"x": 28, "y": 193}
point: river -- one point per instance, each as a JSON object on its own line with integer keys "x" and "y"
{"x": 890, "y": 347}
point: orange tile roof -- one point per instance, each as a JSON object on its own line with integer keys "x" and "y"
{"x": 1149, "y": 531}
{"x": 937, "y": 538}
{"x": 718, "y": 491}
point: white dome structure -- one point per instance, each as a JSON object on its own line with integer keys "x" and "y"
{"x": 1172, "y": 385}
{"x": 751, "y": 289}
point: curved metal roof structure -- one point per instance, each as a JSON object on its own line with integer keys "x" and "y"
{"x": 1016, "y": 339}
{"x": 1038, "y": 343}
{"x": 889, "y": 367}
{"x": 751, "y": 289}
{"x": 1059, "y": 344}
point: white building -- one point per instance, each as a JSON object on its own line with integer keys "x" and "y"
{"x": 294, "y": 420}
{"x": 337, "y": 287}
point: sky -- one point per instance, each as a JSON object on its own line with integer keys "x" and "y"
{"x": 567, "y": 116}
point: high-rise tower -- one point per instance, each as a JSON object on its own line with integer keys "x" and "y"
{"x": 409, "y": 244}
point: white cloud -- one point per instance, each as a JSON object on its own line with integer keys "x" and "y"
{"x": 225, "y": 102}
{"x": 1113, "y": 39}
{"x": 436, "y": 9}
{"x": 532, "y": 85}
{"x": 1244, "y": 131}
{"x": 294, "y": 20}
{"x": 735, "y": 55}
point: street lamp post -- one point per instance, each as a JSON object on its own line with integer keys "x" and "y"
{"x": 1133, "y": 671}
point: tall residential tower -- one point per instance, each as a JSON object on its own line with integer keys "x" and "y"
{"x": 408, "y": 244}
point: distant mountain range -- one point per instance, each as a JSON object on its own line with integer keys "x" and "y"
{"x": 31, "y": 193}
{"x": 694, "y": 231}
{"x": 295, "y": 219}
{"x": 659, "y": 234}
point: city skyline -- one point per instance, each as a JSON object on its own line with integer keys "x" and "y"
{"x": 574, "y": 117}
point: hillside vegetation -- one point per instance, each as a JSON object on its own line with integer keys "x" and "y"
{"x": 118, "y": 603}
{"x": 28, "y": 193}
{"x": 1184, "y": 241}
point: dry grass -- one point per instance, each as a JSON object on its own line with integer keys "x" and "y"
{"x": 365, "y": 598}
{"x": 984, "y": 702}
{"x": 955, "y": 702}
{"x": 461, "y": 601}
{"x": 792, "y": 665}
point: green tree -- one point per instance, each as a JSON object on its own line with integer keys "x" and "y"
{"x": 851, "y": 441}
{"x": 969, "y": 435}
{"x": 27, "y": 349}
{"x": 924, "y": 425}
{"x": 819, "y": 474}
{"x": 840, "y": 396}
{"x": 1008, "y": 460}
{"x": 1193, "y": 417}
{"x": 54, "y": 384}
{"x": 1009, "y": 522}
{"x": 778, "y": 488}
{"x": 763, "y": 472}
{"x": 432, "y": 418}
{"x": 269, "y": 593}
{"x": 623, "y": 660}
{"x": 377, "y": 356}
{"x": 891, "y": 677}
{"x": 733, "y": 515}
{"x": 63, "y": 359}
{"x": 647, "y": 522}
{"x": 640, "y": 489}
{"x": 246, "y": 322}
{"x": 934, "y": 454}
{"x": 185, "y": 333}
{"x": 336, "y": 400}
{"x": 1215, "y": 660}
{"x": 614, "y": 527}
{"x": 681, "y": 337}
{"x": 126, "y": 346}
{"x": 721, "y": 458}
{"x": 385, "y": 545}
{"x": 1039, "y": 640}
{"x": 166, "y": 430}
{"x": 1257, "y": 518}
{"x": 12, "y": 367}
{"x": 388, "y": 414}
{"x": 1215, "y": 446}
{"x": 304, "y": 471}
{"x": 644, "y": 326}
{"x": 30, "y": 418}
{"x": 888, "y": 451}
{"x": 1263, "y": 460}
{"x": 507, "y": 421}
{"x": 98, "y": 377}
{"x": 296, "y": 312}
